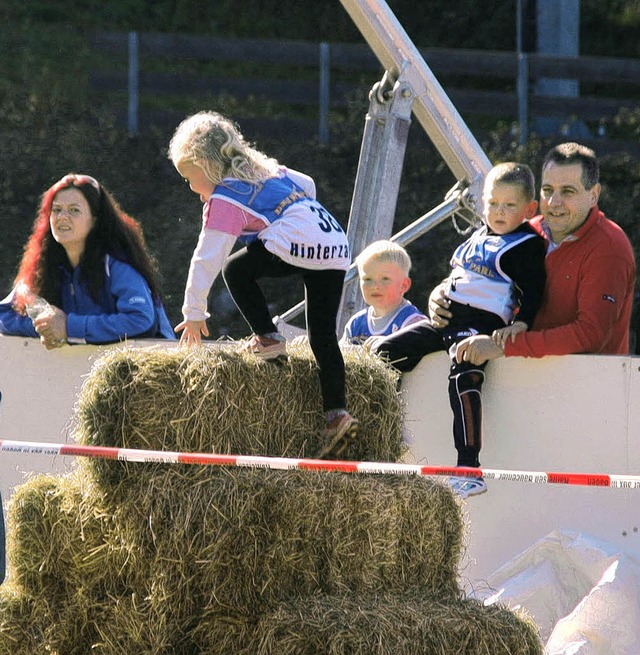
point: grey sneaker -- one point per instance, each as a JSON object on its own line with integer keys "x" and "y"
{"x": 465, "y": 487}
{"x": 339, "y": 434}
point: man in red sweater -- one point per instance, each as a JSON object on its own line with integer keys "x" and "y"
{"x": 590, "y": 271}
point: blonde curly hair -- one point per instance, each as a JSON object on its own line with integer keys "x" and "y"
{"x": 216, "y": 145}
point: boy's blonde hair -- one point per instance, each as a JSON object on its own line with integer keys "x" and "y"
{"x": 511, "y": 172}
{"x": 215, "y": 143}
{"x": 385, "y": 251}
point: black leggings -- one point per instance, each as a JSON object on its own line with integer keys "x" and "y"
{"x": 406, "y": 347}
{"x": 323, "y": 292}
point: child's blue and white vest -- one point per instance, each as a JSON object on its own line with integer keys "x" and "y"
{"x": 360, "y": 326}
{"x": 477, "y": 278}
{"x": 299, "y": 229}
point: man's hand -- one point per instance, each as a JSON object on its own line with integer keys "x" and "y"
{"x": 502, "y": 335}
{"x": 478, "y": 349}
{"x": 438, "y": 307}
{"x": 191, "y": 331}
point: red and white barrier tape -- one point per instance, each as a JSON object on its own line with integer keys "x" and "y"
{"x": 286, "y": 463}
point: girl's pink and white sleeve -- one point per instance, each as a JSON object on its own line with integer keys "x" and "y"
{"x": 208, "y": 258}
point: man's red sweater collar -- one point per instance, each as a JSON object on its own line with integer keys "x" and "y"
{"x": 595, "y": 216}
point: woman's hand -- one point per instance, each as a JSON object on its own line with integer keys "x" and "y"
{"x": 191, "y": 332}
{"x": 52, "y": 328}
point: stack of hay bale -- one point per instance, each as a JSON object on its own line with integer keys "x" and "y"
{"x": 147, "y": 558}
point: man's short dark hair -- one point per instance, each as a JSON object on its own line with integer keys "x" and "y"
{"x": 565, "y": 154}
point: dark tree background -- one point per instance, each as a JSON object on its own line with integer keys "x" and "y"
{"x": 52, "y": 123}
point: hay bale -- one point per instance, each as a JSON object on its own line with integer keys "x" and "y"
{"x": 31, "y": 625}
{"x": 21, "y": 620}
{"x": 388, "y": 624}
{"x": 228, "y": 542}
{"x": 218, "y": 400}
{"x": 131, "y": 624}
{"x": 60, "y": 538}
{"x": 244, "y": 539}
{"x": 153, "y": 558}
{"x": 70, "y": 559}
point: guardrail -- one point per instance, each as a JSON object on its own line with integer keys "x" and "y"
{"x": 320, "y": 75}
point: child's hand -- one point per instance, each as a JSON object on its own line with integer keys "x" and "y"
{"x": 370, "y": 343}
{"x": 501, "y": 336}
{"x": 191, "y": 331}
{"x": 438, "y": 307}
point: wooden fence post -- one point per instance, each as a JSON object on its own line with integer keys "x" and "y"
{"x": 325, "y": 76}
{"x": 134, "y": 72}
{"x": 522, "y": 87}
{"x": 522, "y": 80}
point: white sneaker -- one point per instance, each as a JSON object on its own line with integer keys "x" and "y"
{"x": 465, "y": 487}
{"x": 266, "y": 348}
{"x": 339, "y": 434}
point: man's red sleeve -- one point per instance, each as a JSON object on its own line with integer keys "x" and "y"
{"x": 603, "y": 292}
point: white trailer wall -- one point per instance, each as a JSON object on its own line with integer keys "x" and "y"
{"x": 577, "y": 414}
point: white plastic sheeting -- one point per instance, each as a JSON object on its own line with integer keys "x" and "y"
{"x": 582, "y": 592}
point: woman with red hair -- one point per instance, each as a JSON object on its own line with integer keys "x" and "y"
{"x": 88, "y": 259}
